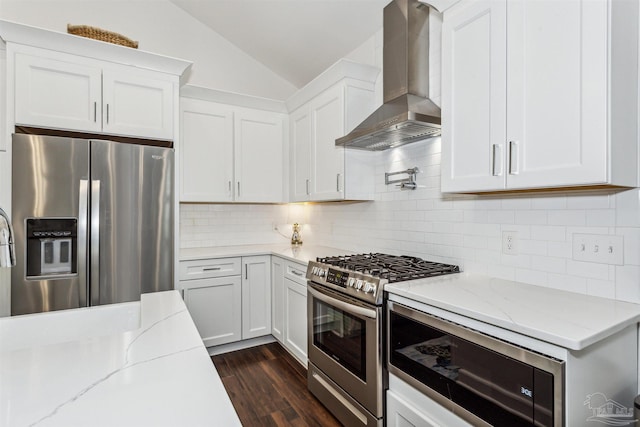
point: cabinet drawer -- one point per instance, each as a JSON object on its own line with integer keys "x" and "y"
{"x": 213, "y": 267}
{"x": 296, "y": 272}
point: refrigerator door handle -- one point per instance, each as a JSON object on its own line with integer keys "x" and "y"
{"x": 94, "y": 258}
{"x": 83, "y": 213}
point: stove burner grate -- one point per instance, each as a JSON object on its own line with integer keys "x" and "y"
{"x": 394, "y": 268}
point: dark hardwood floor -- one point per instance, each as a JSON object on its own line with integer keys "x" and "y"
{"x": 268, "y": 387}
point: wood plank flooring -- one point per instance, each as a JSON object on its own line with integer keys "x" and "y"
{"x": 268, "y": 387}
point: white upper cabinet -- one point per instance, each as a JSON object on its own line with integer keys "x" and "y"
{"x": 326, "y": 109}
{"x": 259, "y": 156}
{"x": 231, "y": 153}
{"x": 60, "y": 91}
{"x": 206, "y": 151}
{"x": 56, "y": 94}
{"x": 327, "y": 167}
{"x": 300, "y": 124}
{"x": 539, "y": 94}
{"x": 137, "y": 102}
{"x": 70, "y": 83}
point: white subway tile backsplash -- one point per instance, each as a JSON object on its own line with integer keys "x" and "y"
{"x": 559, "y": 249}
{"x": 627, "y": 288}
{"x": 568, "y": 283}
{"x": 601, "y": 218}
{"x": 549, "y": 264}
{"x": 567, "y": 217}
{"x": 531, "y": 277}
{"x": 588, "y": 202}
{"x": 501, "y": 217}
{"x": 588, "y": 270}
{"x": 516, "y": 203}
{"x": 631, "y": 237}
{"x": 548, "y": 232}
{"x": 532, "y": 247}
{"x": 461, "y": 229}
{"x": 628, "y": 208}
{"x": 533, "y": 217}
{"x": 549, "y": 202}
{"x": 601, "y": 288}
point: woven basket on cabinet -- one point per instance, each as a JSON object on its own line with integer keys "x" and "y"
{"x": 100, "y": 34}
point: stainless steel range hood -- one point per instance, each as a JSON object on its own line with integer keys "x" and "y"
{"x": 407, "y": 114}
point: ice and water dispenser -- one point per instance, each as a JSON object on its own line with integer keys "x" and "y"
{"x": 51, "y": 247}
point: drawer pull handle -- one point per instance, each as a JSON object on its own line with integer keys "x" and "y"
{"x": 212, "y": 269}
{"x": 297, "y": 273}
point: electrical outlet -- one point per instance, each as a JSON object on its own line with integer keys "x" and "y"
{"x": 598, "y": 248}
{"x": 510, "y": 242}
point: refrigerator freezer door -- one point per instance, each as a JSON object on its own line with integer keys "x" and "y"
{"x": 134, "y": 184}
{"x": 49, "y": 175}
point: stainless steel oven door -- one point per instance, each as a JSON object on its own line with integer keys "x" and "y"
{"x": 345, "y": 343}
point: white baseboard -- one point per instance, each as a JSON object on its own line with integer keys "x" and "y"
{"x": 240, "y": 345}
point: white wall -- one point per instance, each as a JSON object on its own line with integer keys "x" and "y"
{"x": 160, "y": 27}
{"x": 465, "y": 230}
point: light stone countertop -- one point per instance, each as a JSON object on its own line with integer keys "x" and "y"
{"x": 301, "y": 254}
{"x": 566, "y": 319}
{"x": 133, "y": 364}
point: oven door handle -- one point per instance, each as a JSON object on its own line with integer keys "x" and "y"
{"x": 342, "y": 305}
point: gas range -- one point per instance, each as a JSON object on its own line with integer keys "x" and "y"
{"x": 363, "y": 276}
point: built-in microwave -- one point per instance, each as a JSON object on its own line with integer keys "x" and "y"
{"x": 484, "y": 380}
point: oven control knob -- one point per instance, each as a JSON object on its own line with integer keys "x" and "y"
{"x": 321, "y": 272}
{"x": 359, "y": 284}
{"x": 369, "y": 288}
{"x": 314, "y": 270}
{"x": 352, "y": 281}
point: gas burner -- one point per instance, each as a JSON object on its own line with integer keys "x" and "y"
{"x": 393, "y": 268}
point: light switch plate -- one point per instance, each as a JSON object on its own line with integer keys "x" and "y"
{"x": 598, "y": 248}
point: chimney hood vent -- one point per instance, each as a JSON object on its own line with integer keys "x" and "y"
{"x": 407, "y": 114}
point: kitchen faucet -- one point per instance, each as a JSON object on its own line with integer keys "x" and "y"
{"x": 7, "y": 248}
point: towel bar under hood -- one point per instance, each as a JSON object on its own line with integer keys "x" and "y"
{"x": 407, "y": 114}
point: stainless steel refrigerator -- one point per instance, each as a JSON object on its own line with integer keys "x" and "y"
{"x": 93, "y": 222}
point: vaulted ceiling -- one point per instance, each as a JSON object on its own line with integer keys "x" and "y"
{"x": 296, "y": 39}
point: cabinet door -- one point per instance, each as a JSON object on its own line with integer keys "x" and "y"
{"x": 300, "y": 154}
{"x": 56, "y": 94}
{"x": 402, "y": 414}
{"x": 295, "y": 302}
{"x": 259, "y": 156}
{"x": 277, "y": 298}
{"x": 327, "y": 167}
{"x": 215, "y": 306}
{"x": 137, "y": 103}
{"x": 557, "y": 92}
{"x": 206, "y": 152}
{"x": 256, "y": 296}
{"x": 474, "y": 97}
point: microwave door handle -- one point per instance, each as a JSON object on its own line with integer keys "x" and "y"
{"x": 83, "y": 212}
{"x": 344, "y": 306}
{"x": 95, "y": 243}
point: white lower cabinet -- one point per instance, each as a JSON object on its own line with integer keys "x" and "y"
{"x": 402, "y": 414}
{"x": 215, "y": 306}
{"x": 408, "y": 407}
{"x": 295, "y": 319}
{"x": 277, "y": 298}
{"x": 256, "y": 296}
{"x": 289, "y": 306}
{"x": 229, "y": 299}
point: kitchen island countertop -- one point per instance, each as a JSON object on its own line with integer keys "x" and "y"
{"x": 566, "y": 319}
{"x": 133, "y": 364}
